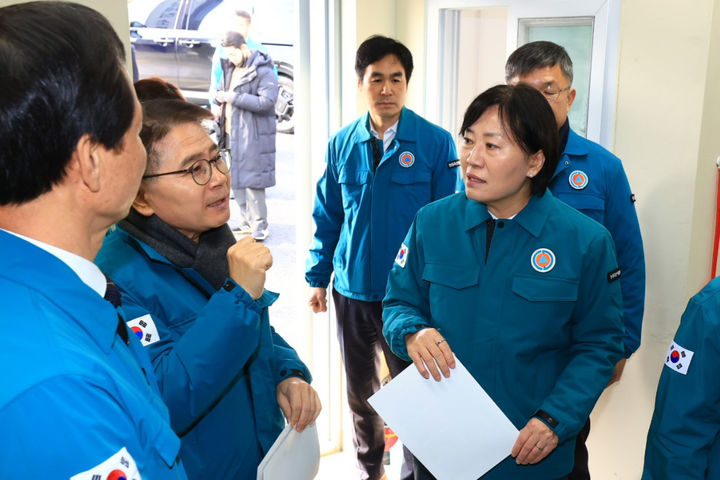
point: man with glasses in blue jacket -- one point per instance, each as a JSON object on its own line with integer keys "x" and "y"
{"x": 380, "y": 170}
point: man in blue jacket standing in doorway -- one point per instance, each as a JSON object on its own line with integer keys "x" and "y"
{"x": 592, "y": 180}
{"x": 380, "y": 170}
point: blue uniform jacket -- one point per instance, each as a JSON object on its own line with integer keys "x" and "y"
{"x": 218, "y": 360}
{"x": 593, "y": 180}
{"x": 684, "y": 438}
{"x": 538, "y": 325}
{"x": 73, "y": 394}
{"x": 360, "y": 216}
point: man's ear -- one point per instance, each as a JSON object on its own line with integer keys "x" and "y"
{"x": 141, "y": 204}
{"x": 86, "y": 161}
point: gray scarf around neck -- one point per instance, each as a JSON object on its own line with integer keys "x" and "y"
{"x": 207, "y": 256}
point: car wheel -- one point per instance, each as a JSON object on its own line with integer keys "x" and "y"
{"x": 284, "y": 107}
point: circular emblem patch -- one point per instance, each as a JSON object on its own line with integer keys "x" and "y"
{"x": 578, "y": 179}
{"x": 543, "y": 260}
{"x": 406, "y": 159}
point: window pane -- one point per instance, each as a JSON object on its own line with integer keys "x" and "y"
{"x": 575, "y": 34}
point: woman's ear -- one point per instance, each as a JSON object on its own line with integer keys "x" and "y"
{"x": 535, "y": 163}
{"x": 141, "y": 203}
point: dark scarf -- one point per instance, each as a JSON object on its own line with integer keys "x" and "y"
{"x": 564, "y": 135}
{"x": 207, "y": 257}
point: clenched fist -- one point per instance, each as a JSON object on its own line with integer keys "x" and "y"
{"x": 248, "y": 262}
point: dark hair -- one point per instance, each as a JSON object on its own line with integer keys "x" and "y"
{"x": 62, "y": 77}
{"x": 528, "y": 119}
{"x": 155, "y": 88}
{"x": 378, "y": 47}
{"x": 535, "y": 55}
{"x": 245, "y": 14}
{"x": 162, "y": 115}
{"x": 233, "y": 39}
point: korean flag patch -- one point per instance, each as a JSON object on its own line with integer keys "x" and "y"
{"x": 678, "y": 358}
{"x": 120, "y": 466}
{"x": 402, "y": 256}
{"x": 145, "y": 329}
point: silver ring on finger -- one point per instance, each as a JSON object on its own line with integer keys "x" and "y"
{"x": 440, "y": 341}
{"x": 539, "y": 447}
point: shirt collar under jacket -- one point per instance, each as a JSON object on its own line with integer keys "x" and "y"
{"x": 407, "y": 128}
{"x": 388, "y": 136}
{"x": 531, "y": 218}
{"x": 42, "y": 271}
{"x": 88, "y": 272}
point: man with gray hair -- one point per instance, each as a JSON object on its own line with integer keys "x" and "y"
{"x": 592, "y": 180}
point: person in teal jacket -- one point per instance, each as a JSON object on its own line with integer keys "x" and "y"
{"x": 196, "y": 300}
{"x": 683, "y": 442}
{"x": 380, "y": 170}
{"x": 79, "y": 399}
{"x": 591, "y": 179}
{"x": 517, "y": 284}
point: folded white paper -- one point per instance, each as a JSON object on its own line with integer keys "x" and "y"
{"x": 452, "y": 426}
{"x": 293, "y": 456}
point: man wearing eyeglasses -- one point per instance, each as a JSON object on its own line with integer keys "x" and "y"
{"x": 195, "y": 299}
{"x": 592, "y": 180}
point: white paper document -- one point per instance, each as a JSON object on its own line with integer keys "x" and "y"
{"x": 293, "y": 456}
{"x": 453, "y": 427}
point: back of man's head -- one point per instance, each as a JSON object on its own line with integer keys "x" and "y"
{"x": 62, "y": 77}
{"x": 378, "y": 47}
{"x": 534, "y": 55}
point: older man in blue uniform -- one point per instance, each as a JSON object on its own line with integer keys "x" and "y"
{"x": 79, "y": 399}
{"x": 380, "y": 170}
{"x": 684, "y": 438}
{"x": 592, "y": 180}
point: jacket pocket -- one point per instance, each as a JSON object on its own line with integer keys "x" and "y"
{"x": 456, "y": 277}
{"x": 409, "y": 176}
{"x": 591, "y": 205}
{"x": 353, "y": 184}
{"x": 545, "y": 289}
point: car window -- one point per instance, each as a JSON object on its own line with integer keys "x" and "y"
{"x": 197, "y": 11}
{"x": 163, "y": 15}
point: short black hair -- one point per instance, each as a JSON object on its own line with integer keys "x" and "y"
{"x": 378, "y": 47}
{"x": 62, "y": 76}
{"x": 528, "y": 119}
{"x": 536, "y": 55}
{"x": 233, "y": 39}
{"x": 162, "y": 115}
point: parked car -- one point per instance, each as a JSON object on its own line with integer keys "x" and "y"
{"x": 176, "y": 39}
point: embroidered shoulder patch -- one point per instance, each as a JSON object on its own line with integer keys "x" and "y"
{"x": 145, "y": 329}
{"x": 120, "y": 466}
{"x": 454, "y": 163}
{"x": 678, "y": 358}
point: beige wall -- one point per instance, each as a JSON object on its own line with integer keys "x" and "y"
{"x": 666, "y": 131}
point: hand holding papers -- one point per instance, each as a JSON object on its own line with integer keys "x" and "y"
{"x": 453, "y": 427}
{"x": 293, "y": 456}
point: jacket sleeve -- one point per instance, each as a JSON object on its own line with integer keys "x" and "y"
{"x": 95, "y": 425}
{"x": 195, "y": 366}
{"x": 216, "y": 75}
{"x": 686, "y": 420}
{"x": 622, "y": 222}
{"x": 445, "y": 176}
{"x": 264, "y": 100}
{"x": 597, "y": 333}
{"x": 406, "y": 307}
{"x": 328, "y": 215}
{"x": 286, "y": 361}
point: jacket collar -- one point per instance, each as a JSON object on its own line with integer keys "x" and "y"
{"x": 575, "y": 145}
{"x": 407, "y": 130}
{"x": 532, "y": 218}
{"x": 47, "y": 275}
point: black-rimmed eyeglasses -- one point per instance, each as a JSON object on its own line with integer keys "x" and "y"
{"x": 201, "y": 170}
